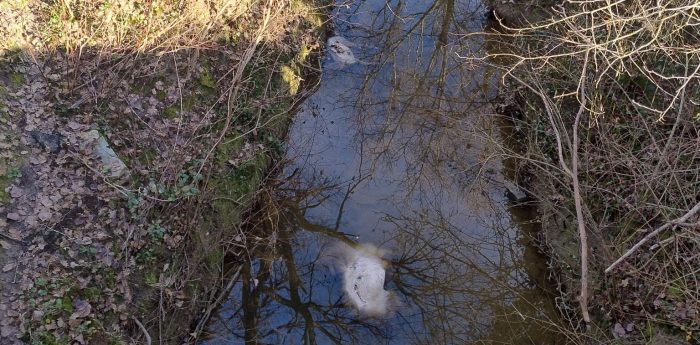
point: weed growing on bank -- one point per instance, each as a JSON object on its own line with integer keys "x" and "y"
{"x": 606, "y": 97}
{"x": 190, "y": 99}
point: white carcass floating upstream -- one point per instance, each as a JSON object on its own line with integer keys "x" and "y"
{"x": 341, "y": 54}
{"x": 363, "y": 279}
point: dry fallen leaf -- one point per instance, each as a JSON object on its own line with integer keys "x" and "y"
{"x": 74, "y": 125}
{"x": 46, "y": 201}
{"x": 9, "y": 267}
{"x": 81, "y": 309}
{"x": 619, "y": 331}
{"x": 16, "y": 192}
{"x": 44, "y": 215}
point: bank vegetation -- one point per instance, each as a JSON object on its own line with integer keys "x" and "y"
{"x": 135, "y": 136}
{"x": 605, "y": 96}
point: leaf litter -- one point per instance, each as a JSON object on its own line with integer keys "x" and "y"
{"x": 82, "y": 140}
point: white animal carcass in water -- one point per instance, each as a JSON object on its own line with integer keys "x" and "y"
{"x": 339, "y": 49}
{"x": 363, "y": 279}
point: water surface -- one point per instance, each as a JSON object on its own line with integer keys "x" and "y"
{"x": 401, "y": 151}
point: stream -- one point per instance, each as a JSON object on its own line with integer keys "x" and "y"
{"x": 402, "y": 151}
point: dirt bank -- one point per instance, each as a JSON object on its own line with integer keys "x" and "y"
{"x": 606, "y": 116}
{"x": 134, "y": 137}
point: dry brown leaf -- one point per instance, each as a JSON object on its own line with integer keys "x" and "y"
{"x": 44, "y": 215}
{"x": 9, "y": 267}
{"x": 81, "y": 309}
{"x": 16, "y": 192}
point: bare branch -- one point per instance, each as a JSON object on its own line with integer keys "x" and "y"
{"x": 654, "y": 233}
{"x": 143, "y": 329}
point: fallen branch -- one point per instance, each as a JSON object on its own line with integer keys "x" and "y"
{"x": 654, "y": 233}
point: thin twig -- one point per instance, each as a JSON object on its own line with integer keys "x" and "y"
{"x": 10, "y": 238}
{"x": 143, "y": 329}
{"x": 207, "y": 314}
{"x": 572, "y": 171}
{"x": 237, "y": 77}
{"x": 583, "y": 236}
{"x": 646, "y": 238}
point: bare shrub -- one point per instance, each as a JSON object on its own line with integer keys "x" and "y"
{"x": 609, "y": 91}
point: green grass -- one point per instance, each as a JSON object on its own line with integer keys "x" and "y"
{"x": 171, "y": 112}
{"x": 290, "y": 75}
{"x": 147, "y": 156}
{"x": 9, "y": 171}
{"x": 206, "y": 80}
{"x": 16, "y": 79}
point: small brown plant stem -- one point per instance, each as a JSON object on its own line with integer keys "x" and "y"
{"x": 583, "y": 236}
{"x": 144, "y": 330}
{"x": 214, "y": 304}
{"x": 237, "y": 77}
{"x": 675, "y": 222}
{"x": 552, "y": 113}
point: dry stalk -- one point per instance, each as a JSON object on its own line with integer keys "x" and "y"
{"x": 583, "y": 236}
{"x": 143, "y": 329}
{"x": 571, "y": 170}
{"x": 238, "y": 76}
{"x": 680, "y": 220}
{"x": 210, "y": 308}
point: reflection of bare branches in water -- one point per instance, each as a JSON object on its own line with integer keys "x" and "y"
{"x": 421, "y": 172}
{"x": 454, "y": 279}
{"x": 282, "y": 278}
{"x": 414, "y": 106}
{"x": 446, "y": 281}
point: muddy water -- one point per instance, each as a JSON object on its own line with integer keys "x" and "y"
{"x": 402, "y": 151}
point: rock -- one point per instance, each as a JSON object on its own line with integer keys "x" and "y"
{"x": 51, "y": 142}
{"x": 13, "y": 216}
{"x": 113, "y": 166}
{"x": 514, "y": 190}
